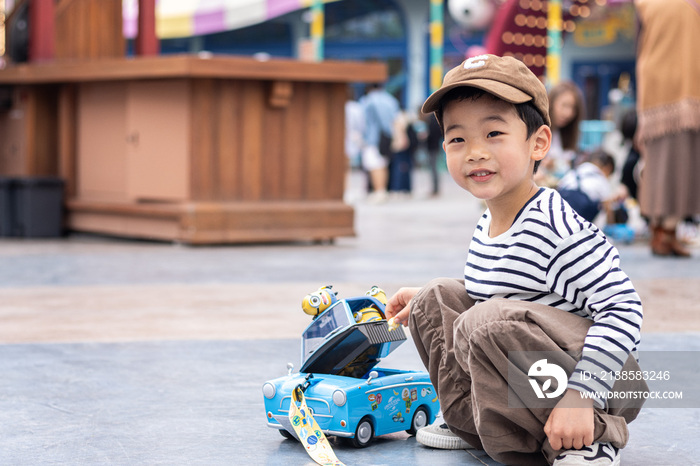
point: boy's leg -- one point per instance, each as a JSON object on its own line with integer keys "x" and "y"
{"x": 433, "y": 312}
{"x": 483, "y": 338}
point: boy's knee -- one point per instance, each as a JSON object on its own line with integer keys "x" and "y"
{"x": 492, "y": 310}
{"x": 441, "y": 290}
{"x": 494, "y": 321}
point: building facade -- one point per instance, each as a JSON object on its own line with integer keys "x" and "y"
{"x": 598, "y": 41}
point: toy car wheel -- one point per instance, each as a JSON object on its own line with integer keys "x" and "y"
{"x": 287, "y": 435}
{"x": 363, "y": 433}
{"x": 420, "y": 419}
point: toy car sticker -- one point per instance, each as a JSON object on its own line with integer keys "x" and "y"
{"x": 406, "y": 396}
{"x": 372, "y": 397}
{"x": 391, "y": 404}
{"x": 309, "y": 433}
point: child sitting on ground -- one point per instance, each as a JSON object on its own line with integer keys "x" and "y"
{"x": 538, "y": 278}
{"x": 587, "y": 186}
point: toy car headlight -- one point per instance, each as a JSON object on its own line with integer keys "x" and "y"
{"x": 269, "y": 390}
{"x": 339, "y": 398}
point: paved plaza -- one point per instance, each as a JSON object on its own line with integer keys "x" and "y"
{"x": 127, "y": 352}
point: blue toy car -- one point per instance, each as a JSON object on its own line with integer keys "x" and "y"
{"x": 348, "y": 396}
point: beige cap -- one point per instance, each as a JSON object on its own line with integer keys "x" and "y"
{"x": 504, "y": 77}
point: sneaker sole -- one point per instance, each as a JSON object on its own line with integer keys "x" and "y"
{"x": 441, "y": 442}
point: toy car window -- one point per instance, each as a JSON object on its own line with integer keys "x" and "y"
{"x": 334, "y": 318}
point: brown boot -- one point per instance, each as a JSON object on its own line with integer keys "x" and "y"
{"x": 660, "y": 245}
{"x": 677, "y": 246}
{"x": 665, "y": 243}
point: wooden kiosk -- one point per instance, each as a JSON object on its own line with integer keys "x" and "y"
{"x": 196, "y": 149}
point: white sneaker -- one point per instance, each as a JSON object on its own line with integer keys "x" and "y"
{"x": 378, "y": 197}
{"x": 598, "y": 454}
{"x": 438, "y": 435}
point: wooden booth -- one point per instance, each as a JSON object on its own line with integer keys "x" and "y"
{"x": 197, "y": 149}
{"x": 194, "y": 148}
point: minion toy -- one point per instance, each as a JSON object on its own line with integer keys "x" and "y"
{"x": 378, "y": 293}
{"x": 318, "y": 301}
{"x": 371, "y": 313}
{"x": 367, "y": 314}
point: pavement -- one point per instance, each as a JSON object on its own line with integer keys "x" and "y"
{"x": 116, "y": 351}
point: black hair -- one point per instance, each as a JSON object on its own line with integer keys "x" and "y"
{"x": 527, "y": 111}
{"x": 602, "y": 159}
{"x": 628, "y": 126}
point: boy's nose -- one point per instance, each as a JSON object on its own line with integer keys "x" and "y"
{"x": 477, "y": 154}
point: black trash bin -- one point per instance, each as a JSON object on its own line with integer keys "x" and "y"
{"x": 38, "y": 205}
{"x": 8, "y": 219}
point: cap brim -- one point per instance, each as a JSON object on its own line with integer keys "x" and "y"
{"x": 499, "y": 89}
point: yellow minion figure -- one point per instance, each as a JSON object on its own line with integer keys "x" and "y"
{"x": 367, "y": 314}
{"x": 378, "y": 293}
{"x": 318, "y": 301}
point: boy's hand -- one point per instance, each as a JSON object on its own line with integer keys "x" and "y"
{"x": 570, "y": 424}
{"x": 398, "y": 305}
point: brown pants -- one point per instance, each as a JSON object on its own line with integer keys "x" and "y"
{"x": 466, "y": 354}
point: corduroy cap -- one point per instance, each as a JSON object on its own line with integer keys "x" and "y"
{"x": 504, "y": 77}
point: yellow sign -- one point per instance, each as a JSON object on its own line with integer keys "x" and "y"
{"x": 596, "y": 33}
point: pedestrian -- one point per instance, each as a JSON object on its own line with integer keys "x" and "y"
{"x": 566, "y": 110}
{"x": 354, "y": 130}
{"x": 381, "y": 109}
{"x": 537, "y": 278}
{"x": 631, "y": 169}
{"x": 404, "y": 145}
{"x": 668, "y": 111}
{"x": 586, "y": 187}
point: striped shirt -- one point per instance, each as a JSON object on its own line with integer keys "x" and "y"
{"x": 552, "y": 256}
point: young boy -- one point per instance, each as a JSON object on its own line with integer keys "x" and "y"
{"x": 538, "y": 278}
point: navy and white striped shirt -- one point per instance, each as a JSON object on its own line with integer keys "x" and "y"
{"x": 552, "y": 256}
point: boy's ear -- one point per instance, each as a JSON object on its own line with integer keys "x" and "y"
{"x": 541, "y": 140}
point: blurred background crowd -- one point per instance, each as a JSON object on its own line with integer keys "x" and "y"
{"x": 622, "y": 75}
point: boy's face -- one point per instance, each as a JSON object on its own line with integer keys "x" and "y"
{"x": 488, "y": 152}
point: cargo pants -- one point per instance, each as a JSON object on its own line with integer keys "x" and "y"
{"x": 465, "y": 346}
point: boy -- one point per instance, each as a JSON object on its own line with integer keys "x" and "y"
{"x": 538, "y": 278}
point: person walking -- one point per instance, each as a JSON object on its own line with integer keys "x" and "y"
{"x": 668, "y": 110}
{"x": 404, "y": 145}
{"x": 381, "y": 109}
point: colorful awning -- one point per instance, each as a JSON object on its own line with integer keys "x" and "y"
{"x": 184, "y": 18}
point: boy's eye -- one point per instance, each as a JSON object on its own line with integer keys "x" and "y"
{"x": 493, "y": 134}
{"x": 456, "y": 140}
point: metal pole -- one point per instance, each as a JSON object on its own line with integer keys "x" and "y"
{"x": 554, "y": 27}
{"x": 317, "y": 30}
{"x": 437, "y": 34}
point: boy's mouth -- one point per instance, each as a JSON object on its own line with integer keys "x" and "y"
{"x": 481, "y": 175}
